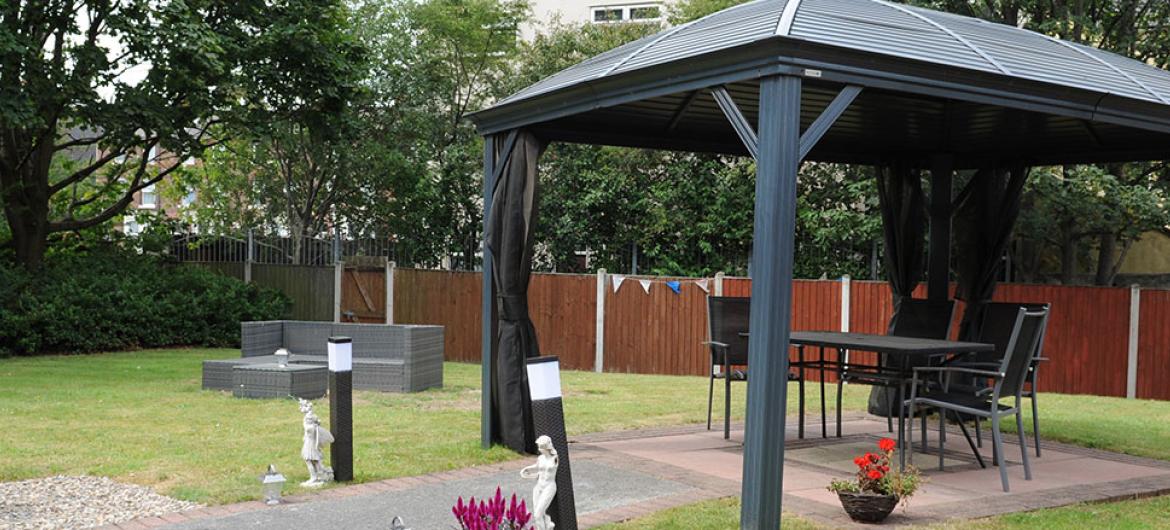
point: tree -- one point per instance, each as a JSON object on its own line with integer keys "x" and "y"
{"x": 143, "y": 81}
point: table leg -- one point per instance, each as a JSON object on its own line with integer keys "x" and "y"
{"x": 824, "y": 422}
{"x": 901, "y": 426}
{"x": 800, "y": 384}
{"x": 840, "y": 385}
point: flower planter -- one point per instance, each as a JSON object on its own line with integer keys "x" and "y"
{"x": 867, "y": 507}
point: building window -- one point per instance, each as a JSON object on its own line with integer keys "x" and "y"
{"x": 627, "y": 13}
{"x": 189, "y": 198}
{"x": 645, "y": 13}
{"x": 149, "y": 198}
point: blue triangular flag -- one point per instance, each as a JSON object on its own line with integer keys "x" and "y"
{"x": 673, "y": 286}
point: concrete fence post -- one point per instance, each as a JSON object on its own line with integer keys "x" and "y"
{"x": 390, "y": 266}
{"x": 338, "y": 274}
{"x": 846, "y": 302}
{"x": 599, "y": 324}
{"x": 719, "y": 283}
{"x": 1135, "y": 309}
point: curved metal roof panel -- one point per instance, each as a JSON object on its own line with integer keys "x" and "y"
{"x": 879, "y": 27}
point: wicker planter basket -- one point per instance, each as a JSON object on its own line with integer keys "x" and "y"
{"x": 867, "y": 507}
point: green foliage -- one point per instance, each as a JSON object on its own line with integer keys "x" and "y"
{"x": 688, "y": 10}
{"x": 98, "y": 81}
{"x": 109, "y": 299}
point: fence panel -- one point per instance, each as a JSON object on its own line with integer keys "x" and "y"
{"x": 563, "y": 308}
{"x": 1154, "y": 345}
{"x": 363, "y": 295}
{"x": 656, "y": 333}
{"x": 1087, "y": 340}
{"x": 310, "y": 288}
{"x": 448, "y": 299}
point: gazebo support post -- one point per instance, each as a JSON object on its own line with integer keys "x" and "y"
{"x": 488, "y": 307}
{"x": 775, "y": 222}
{"x": 939, "y": 264}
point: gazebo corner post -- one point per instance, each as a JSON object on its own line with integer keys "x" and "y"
{"x": 488, "y": 306}
{"x": 771, "y": 310}
{"x": 941, "y": 209}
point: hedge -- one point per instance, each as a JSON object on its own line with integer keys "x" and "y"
{"x": 118, "y": 300}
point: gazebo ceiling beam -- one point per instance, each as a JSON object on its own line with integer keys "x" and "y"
{"x": 828, "y": 117}
{"x": 681, "y": 111}
{"x": 739, "y": 122}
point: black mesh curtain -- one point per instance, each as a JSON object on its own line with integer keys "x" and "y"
{"x": 904, "y": 227}
{"x": 510, "y": 231}
{"x": 987, "y": 211}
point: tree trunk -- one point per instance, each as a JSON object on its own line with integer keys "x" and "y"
{"x": 25, "y": 195}
{"x": 1106, "y": 248}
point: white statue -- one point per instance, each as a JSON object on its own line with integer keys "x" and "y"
{"x": 316, "y": 438}
{"x": 545, "y": 473}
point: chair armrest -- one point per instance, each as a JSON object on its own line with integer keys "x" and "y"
{"x": 957, "y": 369}
{"x": 974, "y": 364}
{"x": 1041, "y": 359}
{"x": 716, "y": 344}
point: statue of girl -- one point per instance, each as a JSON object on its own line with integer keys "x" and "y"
{"x": 316, "y": 438}
{"x": 545, "y": 473}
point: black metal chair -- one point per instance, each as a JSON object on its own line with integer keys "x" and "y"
{"x": 727, "y": 325}
{"x": 996, "y": 328}
{"x": 1007, "y": 380}
{"x": 913, "y": 317}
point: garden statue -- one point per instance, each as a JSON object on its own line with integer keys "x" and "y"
{"x": 545, "y": 473}
{"x": 316, "y": 438}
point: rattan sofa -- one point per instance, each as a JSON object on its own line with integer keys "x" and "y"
{"x": 386, "y": 357}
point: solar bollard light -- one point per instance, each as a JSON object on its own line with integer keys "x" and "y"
{"x": 548, "y": 418}
{"x": 341, "y": 407}
{"x": 273, "y": 483}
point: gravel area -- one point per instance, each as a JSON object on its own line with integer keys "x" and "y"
{"x": 78, "y": 502}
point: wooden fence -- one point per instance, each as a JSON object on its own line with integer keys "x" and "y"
{"x": 1093, "y": 346}
{"x": 660, "y": 332}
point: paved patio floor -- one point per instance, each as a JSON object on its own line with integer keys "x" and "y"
{"x": 1063, "y": 475}
{"x": 622, "y": 475}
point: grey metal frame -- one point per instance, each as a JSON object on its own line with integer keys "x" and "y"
{"x": 994, "y": 411}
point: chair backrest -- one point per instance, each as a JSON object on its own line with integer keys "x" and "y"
{"x": 1026, "y": 335}
{"x": 999, "y": 321}
{"x": 727, "y": 318}
{"x": 922, "y": 319}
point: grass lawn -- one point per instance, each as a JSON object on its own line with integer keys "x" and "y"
{"x": 141, "y": 417}
{"x": 1128, "y": 515}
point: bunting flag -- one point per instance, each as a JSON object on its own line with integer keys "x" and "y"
{"x": 645, "y": 285}
{"x": 617, "y": 282}
{"x": 673, "y": 286}
{"x": 703, "y": 285}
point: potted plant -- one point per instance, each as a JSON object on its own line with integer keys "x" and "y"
{"x": 878, "y": 489}
{"x": 492, "y": 514}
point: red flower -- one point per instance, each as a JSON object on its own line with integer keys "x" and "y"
{"x": 886, "y": 444}
{"x": 875, "y": 474}
{"x": 872, "y": 457}
{"x": 861, "y": 461}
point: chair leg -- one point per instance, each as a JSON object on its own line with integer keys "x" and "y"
{"x": 974, "y": 450}
{"x": 840, "y": 390}
{"x": 824, "y": 412}
{"x": 727, "y": 405}
{"x": 902, "y": 427}
{"x": 1035, "y": 423}
{"x": 997, "y": 443}
{"x": 924, "y": 447}
{"x": 942, "y": 428}
{"x": 1023, "y": 444}
{"x": 978, "y": 431}
{"x": 800, "y": 384}
{"x": 710, "y": 398}
{"x": 910, "y": 435}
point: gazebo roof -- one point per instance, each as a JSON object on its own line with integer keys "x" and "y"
{"x": 935, "y": 82}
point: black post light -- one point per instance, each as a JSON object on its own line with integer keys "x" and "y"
{"x": 341, "y": 407}
{"x": 548, "y": 418}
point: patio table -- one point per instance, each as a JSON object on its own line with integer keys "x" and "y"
{"x": 898, "y": 373}
{"x": 890, "y": 374}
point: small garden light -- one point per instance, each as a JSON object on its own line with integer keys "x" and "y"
{"x": 281, "y": 357}
{"x": 272, "y": 483}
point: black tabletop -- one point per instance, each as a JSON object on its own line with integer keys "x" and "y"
{"x": 885, "y": 343}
